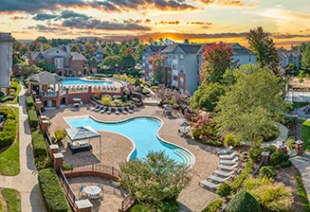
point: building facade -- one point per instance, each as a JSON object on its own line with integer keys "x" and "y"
{"x": 67, "y": 63}
{"x": 287, "y": 57}
{"x": 6, "y": 55}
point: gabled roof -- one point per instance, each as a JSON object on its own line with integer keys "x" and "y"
{"x": 44, "y": 78}
{"x": 157, "y": 48}
{"x": 186, "y": 48}
{"x": 77, "y": 56}
{"x": 240, "y": 50}
{"x": 81, "y": 133}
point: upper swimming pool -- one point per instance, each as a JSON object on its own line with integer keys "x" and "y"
{"x": 77, "y": 81}
{"x": 142, "y": 131}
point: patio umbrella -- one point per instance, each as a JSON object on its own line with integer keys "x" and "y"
{"x": 184, "y": 124}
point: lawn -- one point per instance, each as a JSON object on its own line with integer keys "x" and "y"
{"x": 13, "y": 97}
{"x": 12, "y": 198}
{"x": 9, "y": 159}
{"x": 1, "y": 206}
{"x": 305, "y": 134}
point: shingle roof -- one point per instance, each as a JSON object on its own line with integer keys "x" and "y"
{"x": 157, "y": 48}
{"x": 77, "y": 56}
{"x": 81, "y": 133}
{"x": 187, "y": 48}
{"x": 240, "y": 50}
{"x": 44, "y": 78}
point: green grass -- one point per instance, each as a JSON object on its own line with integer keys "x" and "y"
{"x": 1, "y": 206}
{"x": 17, "y": 91}
{"x": 301, "y": 192}
{"x": 9, "y": 159}
{"x": 305, "y": 134}
{"x": 12, "y": 198}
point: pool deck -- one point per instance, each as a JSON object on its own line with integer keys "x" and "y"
{"x": 115, "y": 149}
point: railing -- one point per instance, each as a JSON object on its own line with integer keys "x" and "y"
{"x": 50, "y": 94}
{"x": 71, "y": 197}
{"x": 95, "y": 168}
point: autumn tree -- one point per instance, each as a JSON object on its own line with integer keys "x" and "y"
{"x": 264, "y": 48}
{"x": 158, "y": 67}
{"x": 216, "y": 59}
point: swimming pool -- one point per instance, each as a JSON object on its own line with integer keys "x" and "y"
{"x": 77, "y": 81}
{"x": 140, "y": 130}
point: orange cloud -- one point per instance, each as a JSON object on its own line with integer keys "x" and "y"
{"x": 17, "y": 18}
{"x": 234, "y": 3}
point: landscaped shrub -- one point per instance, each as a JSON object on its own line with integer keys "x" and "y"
{"x": 223, "y": 190}
{"x": 118, "y": 102}
{"x": 235, "y": 185}
{"x": 291, "y": 142}
{"x": 141, "y": 208}
{"x": 29, "y": 101}
{"x": 243, "y": 202}
{"x": 59, "y": 135}
{"x": 8, "y": 133}
{"x": 52, "y": 192}
{"x": 33, "y": 118}
{"x": 107, "y": 100}
{"x": 278, "y": 157}
{"x": 40, "y": 150}
{"x": 145, "y": 91}
{"x": 196, "y": 133}
{"x": 255, "y": 154}
{"x": 168, "y": 206}
{"x": 232, "y": 140}
{"x": 267, "y": 171}
{"x": 285, "y": 164}
{"x": 208, "y": 141}
{"x": 214, "y": 206}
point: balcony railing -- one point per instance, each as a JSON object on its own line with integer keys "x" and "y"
{"x": 50, "y": 94}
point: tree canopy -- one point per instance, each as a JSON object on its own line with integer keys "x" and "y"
{"x": 305, "y": 60}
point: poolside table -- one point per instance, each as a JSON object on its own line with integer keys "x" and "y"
{"x": 92, "y": 192}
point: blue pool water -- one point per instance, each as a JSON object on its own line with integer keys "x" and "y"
{"x": 77, "y": 81}
{"x": 142, "y": 131}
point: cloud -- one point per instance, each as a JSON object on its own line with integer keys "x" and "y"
{"x": 71, "y": 14}
{"x": 79, "y": 23}
{"x": 199, "y": 23}
{"x": 17, "y": 18}
{"x": 43, "y": 17}
{"x": 287, "y": 36}
{"x": 43, "y": 28}
{"x": 169, "y": 22}
{"x": 230, "y": 3}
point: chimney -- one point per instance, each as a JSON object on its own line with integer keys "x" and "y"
{"x": 41, "y": 48}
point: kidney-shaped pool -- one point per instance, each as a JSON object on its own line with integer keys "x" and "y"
{"x": 140, "y": 130}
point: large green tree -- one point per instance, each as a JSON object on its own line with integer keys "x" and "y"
{"x": 251, "y": 105}
{"x": 207, "y": 96}
{"x": 264, "y": 48}
{"x": 305, "y": 60}
{"x": 154, "y": 179}
{"x": 110, "y": 62}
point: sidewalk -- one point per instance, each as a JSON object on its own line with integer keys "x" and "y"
{"x": 26, "y": 182}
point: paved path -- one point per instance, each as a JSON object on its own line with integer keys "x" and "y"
{"x": 282, "y": 137}
{"x": 26, "y": 182}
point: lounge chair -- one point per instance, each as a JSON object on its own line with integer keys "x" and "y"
{"x": 109, "y": 110}
{"x": 223, "y": 173}
{"x": 218, "y": 179}
{"x": 227, "y": 157}
{"x": 229, "y": 162}
{"x": 116, "y": 111}
{"x": 74, "y": 149}
{"x": 228, "y": 167}
{"x": 208, "y": 184}
{"x": 224, "y": 151}
{"x": 129, "y": 110}
{"x": 103, "y": 109}
{"x": 96, "y": 107}
{"x": 123, "y": 110}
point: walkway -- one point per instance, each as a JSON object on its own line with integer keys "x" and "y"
{"x": 26, "y": 182}
{"x": 282, "y": 137}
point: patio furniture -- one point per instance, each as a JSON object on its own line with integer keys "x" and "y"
{"x": 98, "y": 109}
{"x": 184, "y": 131}
{"x": 231, "y": 156}
{"x": 109, "y": 110}
{"x": 100, "y": 186}
{"x": 223, "y": 173}
{"x": 229, "y": 162}
{"x": 228, "y": 167}
{"x": 224, "y": 151}
{"x": 95, "y": 107}
{"x": 93, "y": 192}
{"x": 79, "y": 148}
{"x": 218, "y": 179}
{"x": 123, "y": 110}
{"x": 208, "y": 184}
{"x": 129, "y": 110}
{"x": 103, "y": 109}
{"x": 116, "y": 111}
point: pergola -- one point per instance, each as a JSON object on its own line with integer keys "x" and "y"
{"x": 83, "y": 133}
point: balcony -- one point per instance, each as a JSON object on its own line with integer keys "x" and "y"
{"x": 50, "y": 94}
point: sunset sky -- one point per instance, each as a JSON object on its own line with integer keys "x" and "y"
{"x": 197, "y": 20}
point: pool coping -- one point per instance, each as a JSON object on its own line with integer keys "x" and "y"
{"x": 191, "y": 165}
{"x": 112, "y": 80}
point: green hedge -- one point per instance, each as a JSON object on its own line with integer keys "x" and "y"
{"x": 29, "y": 101}
{"x": 52, "y": 192}
{"x": 301, "y": 192}
{"x": 33, "y": 118}
{"x": 235, "y": 185}
{"x": 8, "y": 134}
{"x": 40, "y": 150}
{"x": 214, "y": 206}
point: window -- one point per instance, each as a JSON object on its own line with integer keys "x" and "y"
{"x": 174, "y": 67}
{"x": 59, "y": 63}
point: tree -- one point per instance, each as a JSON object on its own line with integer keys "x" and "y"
{"x": 158, "y": 67}
{"x": 45, "y": 66}
{"x": 154, "y": 179}
{"x": 110, "y": 62}
{"x": 207, "y": 96}
{"x": 41, "y": 39}
{"x": 251, "y": 105}
{"x": 243, "y": 202}
{"x": 305, "y": 60}
{"x": 27, "y": 70}
{"x": 127, "y": 58}
{"x": 75, "y": 48}
{"x": 216, "y": 59}
{"x": 263, "y": 46}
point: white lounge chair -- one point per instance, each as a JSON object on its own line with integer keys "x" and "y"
{"x": 224, "y": 151}
{"x": 123, "y": 110}
{"x": 116, "y": 111}
{"x": 218, "y": 179}
{"x": 98, "y": 109}
{"x": 208, "y": 184}
{"x": 227, "y": 157}
{"x": 229, "y": 162}
{"x": 129, "y": 110}
{"x": 95, "y": 108}
{"x": 103, "y": 109}
{"x": 228, "y": 167}
{"x": 223, "y": 173}
{"x": 109, "y": 110}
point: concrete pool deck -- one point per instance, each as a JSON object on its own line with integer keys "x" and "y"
{"x": 115, "y": 149}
